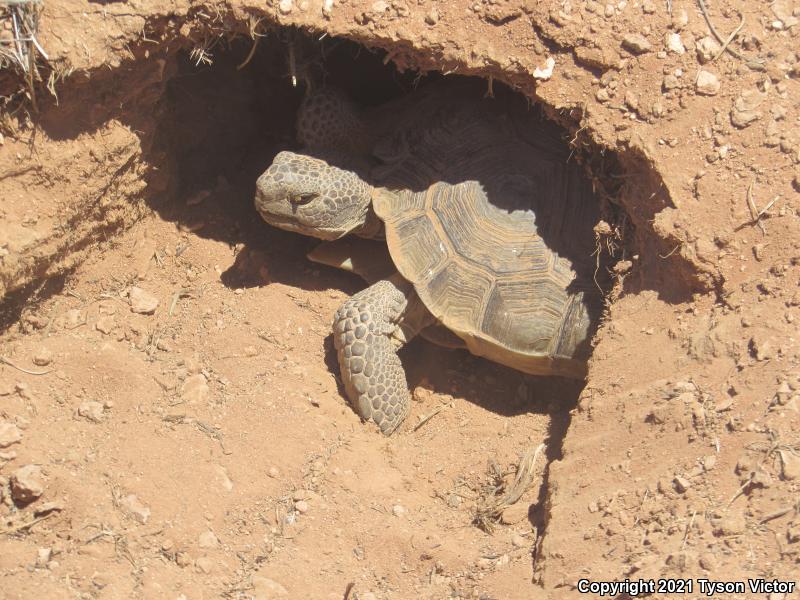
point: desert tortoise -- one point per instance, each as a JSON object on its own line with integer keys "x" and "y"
{"x": 488, "y": 225}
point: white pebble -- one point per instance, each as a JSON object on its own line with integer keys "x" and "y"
{"x": 707, "y": 83}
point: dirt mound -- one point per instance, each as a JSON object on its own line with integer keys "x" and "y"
{"x": 171, "y": 422}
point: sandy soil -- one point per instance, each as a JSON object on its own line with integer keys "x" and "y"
{"x": 171, "y": 420}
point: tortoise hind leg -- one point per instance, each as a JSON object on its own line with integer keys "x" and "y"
{"x": 367, "y": 335}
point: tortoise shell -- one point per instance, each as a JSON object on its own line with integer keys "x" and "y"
{"x": 493, "y": 225}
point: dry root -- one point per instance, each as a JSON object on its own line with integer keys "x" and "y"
{"x": 490, "y": 508}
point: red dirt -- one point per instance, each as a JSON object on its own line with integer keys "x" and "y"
{"x": 221, "y": 412}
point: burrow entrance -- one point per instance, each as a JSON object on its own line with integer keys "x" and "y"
{"x": 222, "y": 123}
{"x": 227, "y": 112}
{"x": 212, "y": 116}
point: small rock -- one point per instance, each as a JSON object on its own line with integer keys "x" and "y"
{"x": 207, "y": 539}
{"x": 783, "y": 11}
{"x": 250, "y": 351}
{"x": 674, "y": 43}
{"x": 790, "y": 465}
{"x": 285, "y": 6}
{"x": 516, "y": 513}
{"x": 182, "y": 559}
{"x": 648, "y": 7}
{"x": 454, "y": 501}
{"x": 708, "y": 561}
{"x": 729, "y": 525}
{"x": 195, "y": 389}
{"x": 636, "y": 43}
{"x": 73, "y": 318}
{"x": 518, "y": 541}
{"x": 680, "y": 19}
{"x": 793, "y": 533}
{"x": 224, "y": 479}
{"x": 134, "y": 508}
{"x": 657, "y": 109}
{"x": 9, "y": 434}
{"x": 398, "y": 510}
{"x": 43, "y": 357}
{"x": 631, "y": 100}
{"x": 545, "y": 71}
{"x": 707, "y": 49}
{"x": 204, "y": 564}
{"x": 48, "y": 507}
{"x": 24, "y": 390}
{"x": 91, "y": 410}
{"x": 105, "y": 325}
{"x": 432, "y": 18}
{"x": 27, "y": 484}
{"x": 682, "y": 484}
{"x": 273, "y": 472}
{"x": 761, "y": 348}
{"x": 327, "y": 8}
{"x": 670, "y": 82}
{"x": 269, "y": 589}
{"x": 742, "y": 119}
{"x": 142, "y": 302}
{"x": 43, "y": 556}
{"x": 600, "y": 58}
{"x": 709, "y": 462}
{"x": 301, "y": 506}
{"x": 744, "y": 111}
{"x": 602, "y": 95}
{"x": 707, "y": 83}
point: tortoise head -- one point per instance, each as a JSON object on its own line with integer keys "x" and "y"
{"x": 310, "y": 196}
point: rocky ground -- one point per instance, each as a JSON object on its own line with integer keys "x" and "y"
{"x": 171, "y": 423}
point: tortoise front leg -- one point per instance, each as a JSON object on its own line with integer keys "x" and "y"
{"x": 367, "y": 336}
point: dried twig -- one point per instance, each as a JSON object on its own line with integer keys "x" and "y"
{"x": 777, "y": 514}
{"x": 492, "y": 508}
{"x": 753, "y": 63}
{"x": 688, "y": 529}
{"x": 8, "y": 362}
{"x": 348, "y": 590}
{"x": 20, "y": 51}
{"x": 184, "y": 293}
{"x": 671, "y": 252}
{"x": 22, "y": 526}
{"x": 756, "y": 214}
{"x": 430, "y": 415}
{"x": 729, "y": 40}
{"x": 256, "y": 36}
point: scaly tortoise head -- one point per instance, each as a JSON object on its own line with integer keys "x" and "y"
{"x": 310, "y": 196}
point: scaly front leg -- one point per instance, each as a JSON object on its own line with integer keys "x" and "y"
{"x": 367, "y": 339}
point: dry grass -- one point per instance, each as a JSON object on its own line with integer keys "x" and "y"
{"x": 492, "y": 505}
{"x": 19, "y": 25}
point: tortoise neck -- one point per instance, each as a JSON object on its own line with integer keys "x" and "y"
{"x": 372, "y": 228}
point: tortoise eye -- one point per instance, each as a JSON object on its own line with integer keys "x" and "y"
{"x": 303, "y": 198}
